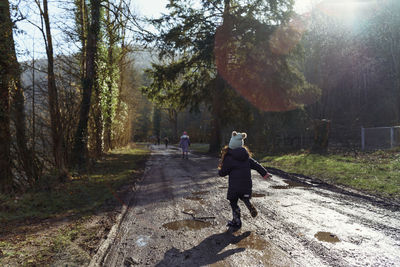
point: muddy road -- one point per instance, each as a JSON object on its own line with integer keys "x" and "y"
{"x": 179, "y": 212}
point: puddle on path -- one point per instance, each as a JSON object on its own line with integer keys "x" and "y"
{"x": 189, "y": 224}
{"x": 266, "y": 254}
{"x": 142, "y": 241}
{"x": 257, "y": 195}
{"x": 253, "y": 241}
{"x": 327, "y": 237}
{"x": 290, "y": 184}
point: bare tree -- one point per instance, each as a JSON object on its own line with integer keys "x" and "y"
{"x": 55, "y": 115}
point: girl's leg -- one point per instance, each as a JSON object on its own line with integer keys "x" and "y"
{"x": 236, "y": 222}
{"x": 252, "y": 209}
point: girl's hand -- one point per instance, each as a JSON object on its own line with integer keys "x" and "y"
{"x": 267, "y": 176}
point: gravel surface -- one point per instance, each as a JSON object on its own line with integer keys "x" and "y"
{"x": 179, "y": 212}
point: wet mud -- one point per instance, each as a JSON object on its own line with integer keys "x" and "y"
{"x": 253, "y": 241}
{"x": 184, "y": 215}
{"x": 290, "y": 184}
{"x": 200, "y": 193}
{"x": 194, "y": 198}
{"x": 187, "y": 224}
{"x": 189, "y": 211}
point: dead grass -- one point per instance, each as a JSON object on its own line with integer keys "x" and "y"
{"x": 65, "y": 224}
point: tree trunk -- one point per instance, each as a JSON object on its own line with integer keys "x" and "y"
{"x": 157, "y": 122}
{"x": 81, "y": 135}
{"x": 110, "y": 66}
{"x": 55, "y": 115}
{"x": 219, "y": 85}
{"x": 6, "y": 57}
{"x": 98, "y": 120}
{"x": 215, "y": 142}
{"x": 173, "y": 118}
{"x": 25, "y": 155}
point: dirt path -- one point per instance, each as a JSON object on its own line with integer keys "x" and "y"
{"x": 179, "y": 213}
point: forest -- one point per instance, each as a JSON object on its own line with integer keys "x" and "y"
{"x": 291, "y": 81}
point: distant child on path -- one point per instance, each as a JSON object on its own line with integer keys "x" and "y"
{"x": 236, "y": 162}
{"x": 184, "y": 144}
{"x": 166, "y": 141}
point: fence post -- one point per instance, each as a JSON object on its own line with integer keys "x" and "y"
{"x": 391, "y": 137}
{"x": 362, "y": 139}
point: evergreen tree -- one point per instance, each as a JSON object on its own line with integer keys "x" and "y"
{"x": 207, "y": 52}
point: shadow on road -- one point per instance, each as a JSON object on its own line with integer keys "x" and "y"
{"x": 206, "y": 252}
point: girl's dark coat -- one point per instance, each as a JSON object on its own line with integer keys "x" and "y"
{"x": 238, "y": 164}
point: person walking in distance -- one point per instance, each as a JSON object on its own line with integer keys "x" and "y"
{"x": 236, "y": 162}
{"x": 166, "y": 141}
{"x": 184, "y": 145}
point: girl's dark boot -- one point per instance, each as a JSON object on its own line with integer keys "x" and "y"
{"x": 235, "y": 222}
{"x": 251, "y": 208}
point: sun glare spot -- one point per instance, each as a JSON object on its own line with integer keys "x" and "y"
{"x": 346, "y": 10}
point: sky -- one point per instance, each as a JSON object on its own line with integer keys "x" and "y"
{"x": 155, "y": 7}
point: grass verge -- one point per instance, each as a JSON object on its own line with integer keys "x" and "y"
{"x": 200, "y": 147}
{"x": 51, "y": 225}
{"x": 376, "y": 173}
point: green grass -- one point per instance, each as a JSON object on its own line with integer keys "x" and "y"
{"x": 84, "y": 194}
{"x": 199, "y": 147}
{"x": 376, "y": 173}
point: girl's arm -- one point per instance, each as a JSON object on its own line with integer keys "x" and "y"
{"x": 224, "y": 169}
{"x": 260, "y": 169}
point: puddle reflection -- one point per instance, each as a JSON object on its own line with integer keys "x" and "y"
{"x": 327, "y": 237}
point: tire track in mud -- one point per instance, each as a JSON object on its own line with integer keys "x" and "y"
{"x": 287, "y": 237}
{"x": 346, "y": 212}
{"x": 367, "y": 209}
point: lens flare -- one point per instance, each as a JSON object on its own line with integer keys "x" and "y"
{"x": 254, "y": 62}
{"x": 348, "y": 10}
{"x": 286, "y": 37}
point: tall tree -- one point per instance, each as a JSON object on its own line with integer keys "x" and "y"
{"x": 7, "y": 57}
{"x": 55, "y": 114}
{"x": 80, "y": 144}
{"x": 111, "y": 29}
{"x": 226, "y": 45}
{"x": 157, "y": 122}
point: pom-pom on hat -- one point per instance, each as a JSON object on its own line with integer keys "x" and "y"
{"x": 237, "y": 140}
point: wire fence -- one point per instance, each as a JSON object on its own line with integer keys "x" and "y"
{"x": 380, "y": 138}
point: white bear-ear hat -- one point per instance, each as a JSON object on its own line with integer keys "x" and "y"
{"x": 237, "y": 140}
